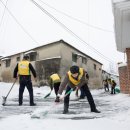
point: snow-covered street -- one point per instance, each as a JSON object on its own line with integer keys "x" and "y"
{"x": 115, "y": 111}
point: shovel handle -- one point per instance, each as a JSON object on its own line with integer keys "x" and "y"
{"x": 11, "y": 88}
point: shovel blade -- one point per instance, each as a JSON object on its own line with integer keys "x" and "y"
{"x": 4, "y": 100}
{"x": 47, "y": 95}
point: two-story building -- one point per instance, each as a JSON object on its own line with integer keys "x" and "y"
{"x": 57, "y": 57}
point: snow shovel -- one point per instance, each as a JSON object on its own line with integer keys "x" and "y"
{"x": 4, "y": 98}
{"x": 48, "y": 94}
{"x": 46, "y": 112}
{"x": 38, "y": 115}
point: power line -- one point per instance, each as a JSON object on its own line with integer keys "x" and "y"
{"x": 18, "y": 22}
{"x": 76, "y": 19}
{"x": 3, "y": 14}
{"x": 71, "y": 32}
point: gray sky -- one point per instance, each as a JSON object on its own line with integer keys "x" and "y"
{"x": 43, "y": 29}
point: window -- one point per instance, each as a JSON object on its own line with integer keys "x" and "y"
{"x": 95, "y": 66}
{"x": 33, "y": 57}
{"x": 7, "y": 62}
{"x": 74, "y": 57}
{"x": 0, "y": 65}
{"x": 84, "y": 60}
{"x": 18, "y": 58}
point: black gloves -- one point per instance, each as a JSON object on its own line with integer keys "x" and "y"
{"x": 74, "y": 88}
{"x": 57, "y": 99}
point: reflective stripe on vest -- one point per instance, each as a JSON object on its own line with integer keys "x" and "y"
{"x": 23, "y": 68}
{"x": 55, "y": 77}
{"x": 74, "y": 81}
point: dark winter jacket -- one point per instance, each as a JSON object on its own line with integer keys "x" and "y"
{"x": 66, "y": 81}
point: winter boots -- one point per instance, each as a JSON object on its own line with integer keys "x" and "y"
{"x": 66, "y": 106}
{"x": 95, "y": 110}
{"x": 32, "y": 104}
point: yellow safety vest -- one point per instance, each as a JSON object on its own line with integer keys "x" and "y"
{"x": 23, "y": 68}
{"x": 55, "y": 77}
{"x": 74, "y": 81}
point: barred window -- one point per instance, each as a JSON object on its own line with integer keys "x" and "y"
{"x": 74, "y": 57}
{"x": 95, "y": 66}
{"x": 33, "y": 57}
{"x": 18, "y": 58}
{"x": 7, "y": 62}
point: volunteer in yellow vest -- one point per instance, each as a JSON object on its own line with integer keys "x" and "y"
{"x": 23, "y": 69}
{"x": 76, "y": 77}
{"x": 54, "y": 82}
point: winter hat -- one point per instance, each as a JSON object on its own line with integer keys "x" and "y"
{"x": 74, "y": 69}
{"x": 26, "y": 57}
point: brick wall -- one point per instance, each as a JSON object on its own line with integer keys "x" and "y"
{"x": 123, "y": 79}
{"x": 128, "y": 67}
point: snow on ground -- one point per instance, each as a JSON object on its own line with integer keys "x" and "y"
{"x": 115, "y": 111}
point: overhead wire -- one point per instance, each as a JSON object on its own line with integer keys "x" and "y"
{"x": 70, "y": 31}
{"x": 3, "y": 13}
{"x": 76, "y": 19}
{"x": 15, "y": 19}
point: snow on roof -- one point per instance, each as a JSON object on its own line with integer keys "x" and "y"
{"x": 116, "y": 1}
{"x": 122, "y": 64}
{"x": 57, "y": 57}
{"x": 28, "y": 52}
{"x": 79, "y": 55}
{"x": 3, "y": 59}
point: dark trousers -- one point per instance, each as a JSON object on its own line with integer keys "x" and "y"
{"x": 25, "y": 82}
{"x": 82, "y": 95}
{"x": 106, "y": 88}
{"x": 56, "y": 87}
{"x": 87, "y": 94}
{"x": 113, "y": 90}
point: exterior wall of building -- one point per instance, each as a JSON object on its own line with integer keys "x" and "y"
{"x": 94, "y": 70}
{"x": 48, "y": 51}
{"x": 66, "y": 60}
{"x": 123, "y": 78}
{"x": 7, "y": 72}
{"x": 44, "y": 68}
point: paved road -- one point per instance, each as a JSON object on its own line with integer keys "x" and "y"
{"x": 79, "y": 109}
